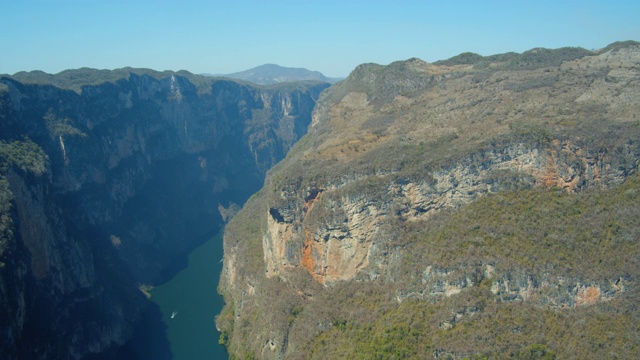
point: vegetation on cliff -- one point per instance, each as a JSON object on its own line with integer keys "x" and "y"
{"x": 26, "y": 157}
{"x": 108, "y": 179}
{"x": 476, "y": 207}
{"x": 76, "y": 79}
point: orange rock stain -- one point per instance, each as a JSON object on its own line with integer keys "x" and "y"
{"x": 308, "y": 260}
{"x": 588, "y": 296}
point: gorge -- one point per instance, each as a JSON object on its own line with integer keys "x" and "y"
{"x": 109, "y": 179}
{"x": 475, "y": 207}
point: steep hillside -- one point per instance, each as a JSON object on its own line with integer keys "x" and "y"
{"x": 481, "y": 206}
{"x": 107, "y": 181}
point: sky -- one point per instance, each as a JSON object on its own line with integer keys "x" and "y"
{"x": 333, "y": 37}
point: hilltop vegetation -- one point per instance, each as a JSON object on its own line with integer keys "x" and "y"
{"x": 532, "y": 59}
{"x": 479, "y": 207}
{"x": 76, "y": 79}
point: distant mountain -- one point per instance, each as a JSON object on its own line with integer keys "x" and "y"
{"x": 272, "y": 74}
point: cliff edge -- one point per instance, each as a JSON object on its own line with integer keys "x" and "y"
{"x": 108, "y": 179}
{"x": 480, "y": 206}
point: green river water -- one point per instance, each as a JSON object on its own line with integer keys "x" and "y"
{"x": 192, "y": 295}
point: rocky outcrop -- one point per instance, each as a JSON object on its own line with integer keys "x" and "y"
{"x": 365, "y": 212}
{"x": 333, "y": 251}
{"x": 541, "y": 289}
{"x": 331, "y": 233}
{"x": 107, "y": 186}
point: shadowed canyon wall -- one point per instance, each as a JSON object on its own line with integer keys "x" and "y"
{"x": 109, "y": 179}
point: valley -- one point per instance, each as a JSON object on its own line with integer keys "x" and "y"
{"x": 474, "y": 207}
{"x": 109, "y": 179}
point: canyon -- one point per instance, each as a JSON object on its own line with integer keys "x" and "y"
{"x": 474, "y": 207}
{"x": 109, "y": 179}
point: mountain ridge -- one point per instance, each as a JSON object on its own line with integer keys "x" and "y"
{"x": 268, "y": 74}
{"x": 427, "y": 204}
{"x": 76, "y": 79}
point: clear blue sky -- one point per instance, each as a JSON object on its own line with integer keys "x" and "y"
{"x": 329, "y": 36}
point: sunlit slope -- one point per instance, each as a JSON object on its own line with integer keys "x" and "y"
{"x": 431, "y": 202}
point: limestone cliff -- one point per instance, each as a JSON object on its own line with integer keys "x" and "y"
{"x": 396, "y": 199}
{"x": 108, "y": 179}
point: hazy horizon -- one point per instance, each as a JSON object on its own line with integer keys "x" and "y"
{"x": 331, "y": 37}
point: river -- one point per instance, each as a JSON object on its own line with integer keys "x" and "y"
{"x": 192, "y": 299}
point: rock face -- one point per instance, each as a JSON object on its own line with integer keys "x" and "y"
{"x": 335, "y": 247}
{"x": 399, "y": 191}
{"x": 107, "y": 183}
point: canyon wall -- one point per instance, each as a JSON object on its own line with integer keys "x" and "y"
{"x": 455, "y": 193}
{"x": 109, "y": 179}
